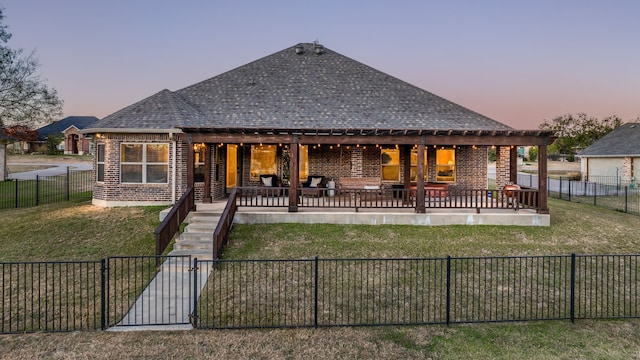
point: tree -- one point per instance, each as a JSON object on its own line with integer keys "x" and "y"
{"x": 21, "y": 133}
{"x": 25, "y": 99}
{"x": 578, "y": 132}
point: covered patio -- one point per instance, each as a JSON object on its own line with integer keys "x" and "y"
{"x": 466, "y": 191}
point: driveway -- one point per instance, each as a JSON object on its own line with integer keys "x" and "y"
{"x": 56, "y": 169}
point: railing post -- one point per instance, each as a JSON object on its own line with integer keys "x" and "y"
{"x": 103, "y": 290}
{"x": 573, "y": 287}
{"x": 448, "y": 305}
{"x": 194, "y": 313}
{"x": 315, "y": 294}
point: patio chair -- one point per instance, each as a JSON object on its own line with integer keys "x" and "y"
{"x": 313, "y": 186}
{"x": 269, "y": 183}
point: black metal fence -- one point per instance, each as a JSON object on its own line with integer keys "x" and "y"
{"x": 128, "y": 291}
{"x": 75, "y": 184}
{"x": 90, "y": 295}
{"x": 605, "y": 191}
{"x": 372, "y": 292}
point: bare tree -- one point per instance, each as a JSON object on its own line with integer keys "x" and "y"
{"x": 25, "y": 99}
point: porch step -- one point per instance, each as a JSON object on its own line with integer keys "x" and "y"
{"x": 197, "y": 238}
{"x": 203, "y": 243}
{"x": 200, "y": 254}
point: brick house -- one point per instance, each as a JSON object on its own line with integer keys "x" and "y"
{"x": 306, "y": 108}
{"x": 617, "y": 155}
{"x": 68, "y": 130}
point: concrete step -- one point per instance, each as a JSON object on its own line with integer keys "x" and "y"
{"x": 214, "y": 206}
{"x": 202, "y": 216}
{"x": 196, "y": 236}
{"x": 200, "y": 244}
{"x": 202, "y": 227}
{"x": 200, "y": 254}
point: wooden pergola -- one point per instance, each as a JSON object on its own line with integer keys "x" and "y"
{"x": 406, "y": 139}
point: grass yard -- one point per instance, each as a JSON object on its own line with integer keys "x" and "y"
{"x": 81, "y": 231}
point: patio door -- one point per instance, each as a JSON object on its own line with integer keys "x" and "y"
{"x": 233, "y": 167}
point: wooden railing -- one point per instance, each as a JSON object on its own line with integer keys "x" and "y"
{"x": 170, "y": 226}
{"x": 221, "y": 234}
{"x": 390, "y": 198}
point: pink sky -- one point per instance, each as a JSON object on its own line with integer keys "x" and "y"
{"x": 516, "y": 62}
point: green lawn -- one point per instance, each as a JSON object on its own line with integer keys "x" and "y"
{"x": 81, "y": 231}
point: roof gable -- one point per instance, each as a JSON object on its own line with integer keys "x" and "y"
{"x": 621, "y": 141}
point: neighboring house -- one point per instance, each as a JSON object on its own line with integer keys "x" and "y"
{"x": 306, "y": 109}
{"x": 72, "y": 142}
{"x": 617, "y": 154}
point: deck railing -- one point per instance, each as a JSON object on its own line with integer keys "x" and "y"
{"x": 390, "y": 198}
{"x": 170, "y": 226}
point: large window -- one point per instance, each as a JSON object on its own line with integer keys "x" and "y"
{"x": 390, "y": 162}
{"x": 414, "y": 166}
{"x": 303, "y": 162}
{"x": 144, "y": 163}
{"x": 100, "y": 154}
{"x": 198, "y": 162}
{"x": 446, "y": 165}
{"x": 263, "y": 161}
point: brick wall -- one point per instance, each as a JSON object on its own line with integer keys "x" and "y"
{"x": 112, "y": 191}
{"x": 502, "y": 166}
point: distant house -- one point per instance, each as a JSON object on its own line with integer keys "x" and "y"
{"x": 617, "y": 154}
{"x": 72, "y": 142}
{"x": 302, "y": 111}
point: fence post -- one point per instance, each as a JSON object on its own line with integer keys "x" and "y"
{"x": 194, "y": 313}
{"x": 68, "y": 181}
{"x": 626, "y": 199}
{"x": 573, "y": 287}
{"x": 448, "y": 289}
{"x": 103, "y": 282}
{"x": 595, "y": 193}
{"x": 17, "y": 181}
{"x": 315, "y": 295}
{"x": 560, "y": 191}
{"x": 569, "y": 189}
{"x": 37, "y": 190}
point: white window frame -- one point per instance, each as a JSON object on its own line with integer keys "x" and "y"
{"x": 144, "y": 163}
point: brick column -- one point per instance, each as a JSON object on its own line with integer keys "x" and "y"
{"x": 503, "y": 161}
{"x": 356, "y": 162}
{"x": 293, "y": 175}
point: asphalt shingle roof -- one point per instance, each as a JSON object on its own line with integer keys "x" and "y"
{"x": 622, "y": 141}
{"x": 58, "y": 127}
{"x": 302, "y": 91}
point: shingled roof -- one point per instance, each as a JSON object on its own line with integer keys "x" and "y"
{"x": 301, "y": 87}
{"x": 58, "y": 127}
{"x": 622, "y": 141}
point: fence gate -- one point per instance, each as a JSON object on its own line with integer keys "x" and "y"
{"x": 148, "y": 290}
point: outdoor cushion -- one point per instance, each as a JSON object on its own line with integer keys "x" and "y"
{"x": 315, "y": 182}
{"x": 266, "y": 181}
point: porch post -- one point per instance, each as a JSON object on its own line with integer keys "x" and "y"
{"x": 190, "y": 160}
{"x": 513, "y": 165}
{"x": 207, "y": 173}
{"x": 420, "y": 207}
{"x": 406, "y": 174}
{"x": 293, "y": 175}
{"x": 543, "y": 208}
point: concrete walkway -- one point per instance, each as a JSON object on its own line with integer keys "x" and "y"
{"x": 167, "y": 302}
{"x": 54, "y": 170}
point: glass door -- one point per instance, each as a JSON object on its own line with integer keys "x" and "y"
{"x": 232, "y": 167}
